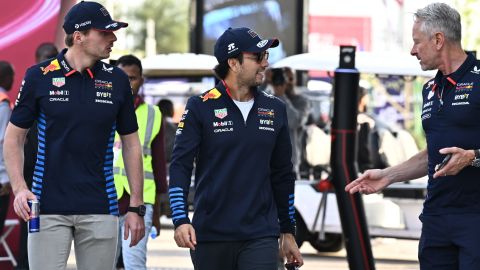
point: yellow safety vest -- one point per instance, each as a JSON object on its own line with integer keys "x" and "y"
{"x": 149, "y": 120}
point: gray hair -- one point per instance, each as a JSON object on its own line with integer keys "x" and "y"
{"x": 440, "y": 17}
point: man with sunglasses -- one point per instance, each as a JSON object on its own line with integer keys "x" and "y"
{"x": 238, "y": 138}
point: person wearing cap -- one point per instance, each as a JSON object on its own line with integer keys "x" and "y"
{"x": 79, "y": 103}
{"x": 238, "y": 138}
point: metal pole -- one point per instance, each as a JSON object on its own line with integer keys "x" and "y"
{"x": 343, "y": 154}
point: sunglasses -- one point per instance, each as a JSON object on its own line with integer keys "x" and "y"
{"x": 258, "y": 57}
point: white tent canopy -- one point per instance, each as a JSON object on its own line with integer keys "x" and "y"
{"x": 365, "y": 62}
{"x": 179, "y": 64}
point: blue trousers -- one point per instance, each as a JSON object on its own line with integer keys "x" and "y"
{"x": 256, "y": 254}
{"x": 450, "y": 242}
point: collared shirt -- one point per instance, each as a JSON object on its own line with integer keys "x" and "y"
{"x": 4, "y": 116}
{"x": 77, "y": 115}
{"x": 450, "y": 118}
{"x": 243, "y": 177}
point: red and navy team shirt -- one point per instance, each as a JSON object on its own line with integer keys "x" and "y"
{"x": 451, "y": 118}
{"x": 77, "y": 115}
{"x": 243, "y": 175}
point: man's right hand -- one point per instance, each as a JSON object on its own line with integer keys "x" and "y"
{"x": 371, "y": 181}
{"x": 185, "y": 236}
{"x": 20, "y": 204}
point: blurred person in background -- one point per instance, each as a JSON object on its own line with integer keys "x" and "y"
{"x": 6, "y": 81}
{"x": 151, "y": 133}
{"x": 166, "y": 107}
{"x": 43, "y": 52}
{"x": 451, "y": 211}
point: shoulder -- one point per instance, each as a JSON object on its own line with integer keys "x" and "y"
{"x": 429, "y": 84}
{"x": 271, "y": 99}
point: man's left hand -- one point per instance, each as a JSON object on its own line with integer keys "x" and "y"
{"x": 290, "y": 248}
{"x": 135, "y": 227}
{"x": 460, "y": 159}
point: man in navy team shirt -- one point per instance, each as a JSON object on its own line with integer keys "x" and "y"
{"x": 78, "y": 102}
{"x": 238, "y": 138}
{"x": 451, "y": 106}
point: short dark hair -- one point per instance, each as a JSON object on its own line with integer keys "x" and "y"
{"x": 221, "y": 70}
{"x": 45, "y": 51}
{"x": 130, "y": 60}
{"x": 6, "y": 75}
{"x": 166, "y": 107}
{"x": 278, "y": 77}
{"x": 69, "y": 37}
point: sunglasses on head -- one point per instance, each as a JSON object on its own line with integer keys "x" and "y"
{"x": 260, "y": 56}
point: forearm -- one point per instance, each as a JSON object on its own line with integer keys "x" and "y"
{"x": 14, "y": 156}
{"x": 132, "y": 157}
{"x": 413, "y": 168}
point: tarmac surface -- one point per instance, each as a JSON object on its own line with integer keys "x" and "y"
{"x": 390, "y": 254}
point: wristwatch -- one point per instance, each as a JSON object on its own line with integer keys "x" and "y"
{"x": 476, "y": 160}
{"x": 140, "y": 210}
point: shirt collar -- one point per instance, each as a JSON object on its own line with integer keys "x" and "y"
{"x": 454, "y": 77}
{"x": 68, "y": 70}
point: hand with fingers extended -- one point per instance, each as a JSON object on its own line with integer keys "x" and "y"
{"x": 20, "y": 204}
{"x": 371, "y": 181}
{"x": 185, "y": 236}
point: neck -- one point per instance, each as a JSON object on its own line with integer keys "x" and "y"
{"x": 78, "y": 60}
{"x": 238, "y": 91}
{"x": 451, "y": 59}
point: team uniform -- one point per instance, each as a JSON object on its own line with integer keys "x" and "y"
{"x": 243, "y": 176}
{"x": 451, "y": 214}
{"x": 77, "y": 116}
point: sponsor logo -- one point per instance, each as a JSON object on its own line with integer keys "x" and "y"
{"x": 104, "y": 94}
{"x": 212, "y": 94}
{"x": 426, "y": 110}
{"x": 85, "y": 23}
{"x": 262, "y": 112}
{"x": 222, "y": 123}
{"x": 184, "y": 115}
{"x": 462, "y": 96}
{"x": 111, "y": 25}
{"x": 54, "y": 65}
{"x": 104, "y": 101}
{"x": 19, "y": 93}
{"x": 58, "y": 82}
{"x": 267, "y": 122}
{"x": 475, "y": 70}
{"x": 426, "y": 116}
{"x": 428, "y": 104}
{"x": 262, "y": 43}
{"x": 65, "y": 66}
{"x": 430, "y": 94}
{"x": 460, "y": 103}
{"x": 104, "y": 11}
{"x": 221, "y": 113}
{"x": 231, "y": 48}
{"x": 100, "y": 84}
{"x": 181, "y": 124}
{"x": 59, "y": 93}
{"x": 464, "y": 87}
{"x": 64, "y": 99}
{"x": 178, "y": 132}
{"x": 217, "y": 130}
{"x": 429, "y": 84}
{"x": 109, "y": 70}
{"x": 267, "y": 129}
{"x": 252, "y": 33}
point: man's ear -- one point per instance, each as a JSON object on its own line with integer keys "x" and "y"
{"x": 439, "y": 40}
{"x": 234, "y": 64}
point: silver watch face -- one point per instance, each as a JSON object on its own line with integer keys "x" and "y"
{"x": 476, "y": 162}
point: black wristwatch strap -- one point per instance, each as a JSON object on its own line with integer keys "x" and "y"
{"x": 477, "y": 153}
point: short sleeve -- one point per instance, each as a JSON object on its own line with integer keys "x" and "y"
{"x": 126, "y": 118}
{"x": 25, "y": 110}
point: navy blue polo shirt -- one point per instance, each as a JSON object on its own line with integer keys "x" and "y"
{"x": 451, "y": 118}
{"x": 77, "y": 115}
{"x": 243, "y": 176}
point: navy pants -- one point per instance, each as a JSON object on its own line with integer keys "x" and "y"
{"x": 256, "y": 254}
{"x": 450, "y": 242}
